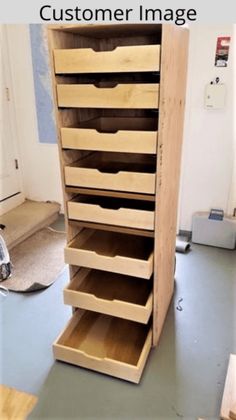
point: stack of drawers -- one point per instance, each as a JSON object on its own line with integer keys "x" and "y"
{"x": 107, "y": 82}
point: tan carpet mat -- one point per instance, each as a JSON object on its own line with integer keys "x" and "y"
{"x": 37, "y": 261}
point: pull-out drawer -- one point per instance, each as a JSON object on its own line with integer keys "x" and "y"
{"x": 126, "y": 135}
{"x": 111, "y": 173}
{"x": 140, "y": 58}
{"x": 136, "y": 96}
{"x": 111, "y": 251}
{"x": 105, "y": 344}
{"x": 112, "y": 294}
{"x": 113, "y": 211}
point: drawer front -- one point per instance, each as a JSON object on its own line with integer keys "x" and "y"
{"x": 140, "y": 58}
{"x": 109, "y": 251}
{"x": 132, "y": 218}
{"x": 122, "y": 181}
{"x": 118, "y": 264}
{"x": 105, "y": 344}
{"x": 121, "y": 141}
{"x": 136, "y": 96}
{"x": 112, "y": 294}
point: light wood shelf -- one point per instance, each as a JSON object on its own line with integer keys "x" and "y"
{"x": 119, "y": 95}
{"x": 110, "y": 251}
{"x": 113, "y": 172}
{"x": 106, "y": 344}
{"x": 119, "y": 212}
{"x": 134, "y": 58}
{"x": 112, "y": 134}
{"x": 112, "y": 294}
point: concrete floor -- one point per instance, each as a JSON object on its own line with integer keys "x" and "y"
{"x": 184, "y": 376}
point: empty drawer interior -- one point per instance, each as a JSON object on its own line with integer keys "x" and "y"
{"x": 106, "y": 344}
{"x": 116, "y": 124}
{"x": 116, "y": 162}
{"x": 111, "y": 203}
{"x": 113, "y": 244}
{"x": 108, "y": 37}
{"x": 114, "y": 294}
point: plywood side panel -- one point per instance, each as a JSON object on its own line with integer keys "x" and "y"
{"x": 171, "y": 117}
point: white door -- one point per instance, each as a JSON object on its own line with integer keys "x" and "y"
{"x": 10, "y": 182}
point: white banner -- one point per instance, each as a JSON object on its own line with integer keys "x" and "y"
{"x": 88, "y": 11}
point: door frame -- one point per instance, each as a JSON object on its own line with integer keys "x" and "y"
{"x": 17, "y": 199}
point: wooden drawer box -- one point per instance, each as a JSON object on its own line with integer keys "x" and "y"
{"x": 125, "y": 135}
{"x": 112, "y": 294}
{"x": 110, "y": 251}
{"x": 109, "y": 345}
{"x": 140, "y": 58}
{"x": 136, "y": 96}
{"x": 119, "y": 212}
{"x": 111, "y": 173}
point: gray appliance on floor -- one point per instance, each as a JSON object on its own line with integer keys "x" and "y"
{"x": 214, "y": 228}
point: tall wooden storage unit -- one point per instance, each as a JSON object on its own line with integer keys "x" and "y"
{"x": 119, "y": 96}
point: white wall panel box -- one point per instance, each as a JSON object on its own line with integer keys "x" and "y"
{"x": 215, "y": 96}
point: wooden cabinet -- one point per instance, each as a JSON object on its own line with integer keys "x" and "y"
{"x": 119, "y": 99}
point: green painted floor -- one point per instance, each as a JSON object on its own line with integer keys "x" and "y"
{"x": 184, "y": 376}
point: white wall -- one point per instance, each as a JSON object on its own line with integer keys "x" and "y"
{"x": 208, "y": 151}
{"x": 40, "y": 162}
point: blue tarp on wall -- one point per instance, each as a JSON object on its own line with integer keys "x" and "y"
{"x": 42, "y": 84}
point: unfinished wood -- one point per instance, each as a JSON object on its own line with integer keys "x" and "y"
{"x": 232, "y": 411}
{"x": 112, "y": 135}
{"x": 112, "y": 294}
{"x": 111, "y": 172}
{"x": 14, "y": 404}
{"x": 120, "y": 212}
{"x": 170, "y": 133}
{"x": 107, "y": 193}
{"x": 113, "y": 228}
{"x": 114, "y": 252}
{"x": 229, "y": 395}
{"x": 122, "y": 59}
{"x": 126, "y": 177}
{"x": 106, "y": 344}
{"x": 143, "y": 95}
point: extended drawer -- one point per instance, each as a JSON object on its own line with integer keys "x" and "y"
{"x": 110, "y": 172}
{"x": 112, "y": 294}
{"x": 105, "y": 344}
{"x": 134, "y": 58}
{"x": 112, "y": 211}
{"x": 127, "y": 135}
{"x": 111, "y": 251}
{"x": 136, "y": 96}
